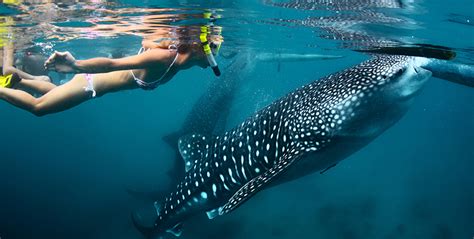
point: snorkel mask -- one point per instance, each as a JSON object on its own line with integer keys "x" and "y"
{"x": 210, "y": 49}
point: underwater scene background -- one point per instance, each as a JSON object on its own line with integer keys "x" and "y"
{"x": 80, "y": 173}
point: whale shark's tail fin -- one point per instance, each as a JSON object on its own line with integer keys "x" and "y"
{"x": 452, "y": 71}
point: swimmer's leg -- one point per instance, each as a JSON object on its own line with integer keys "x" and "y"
{"x": 10, "y": 70}
{"x": 30, "y": 83}
{"x": 38, "y": 86}
{"x": 56, "y": 100}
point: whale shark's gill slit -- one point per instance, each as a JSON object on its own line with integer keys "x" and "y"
{"x": 239, "y": 178}
{"x": 242, "y": 165}
{"x": 223, "y": 182}
{"x": 232, "y": 176}
{"x": 214, "y": 190}
{"x": 250, "y": 153}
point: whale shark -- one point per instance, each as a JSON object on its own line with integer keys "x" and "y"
{"x": 341, "y": 5}
{"x": 209, "y": 113}
{"x": 309, "y": 130}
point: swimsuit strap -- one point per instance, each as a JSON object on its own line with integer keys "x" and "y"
{"x": 153, "y": 84}
{"x": 169, "y": 67}
{"x": 141, "y": 50}
{"x": 90, "y": 85}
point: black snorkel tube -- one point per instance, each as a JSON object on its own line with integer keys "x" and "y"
{"x": 206, "y": 46}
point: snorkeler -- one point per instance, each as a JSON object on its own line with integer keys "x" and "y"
{"x": 154, "y": 65}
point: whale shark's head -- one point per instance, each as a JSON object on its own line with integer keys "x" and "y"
{"x": 407, "y": 80}
{"x": 376, "y": 94}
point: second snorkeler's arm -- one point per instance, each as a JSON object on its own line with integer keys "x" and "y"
{"x": 66, "y": 63}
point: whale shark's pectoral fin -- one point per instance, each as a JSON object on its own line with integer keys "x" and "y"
{"x": 259, "y": 182}
{"x": 326, "y": 169}
{"x": 192, "y": 148}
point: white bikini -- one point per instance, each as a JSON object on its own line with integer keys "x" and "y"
{"x": 152, "y": 85}
{"x": 142, "y": 84}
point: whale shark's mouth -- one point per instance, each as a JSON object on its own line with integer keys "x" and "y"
{"x": 412, "y": 81}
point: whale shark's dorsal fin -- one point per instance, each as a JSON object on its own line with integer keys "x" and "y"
{"x": 192, "y": 148}
{"x": 259, "y": 182}
{"x": 172, "y": 138}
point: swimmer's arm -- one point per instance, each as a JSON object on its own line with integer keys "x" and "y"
{"x": 151, "y": 58}
{"x": 66, "y": 63}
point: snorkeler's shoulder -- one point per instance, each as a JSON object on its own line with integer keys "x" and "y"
{"x": 155, "y": 56}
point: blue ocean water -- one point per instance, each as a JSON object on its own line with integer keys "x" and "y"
{"x": 66, "y": 175}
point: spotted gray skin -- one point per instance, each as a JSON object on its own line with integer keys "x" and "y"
{"x": 309, "y": 130}
{"x": 344, "y": 27}
{"x": 210, "y": 112}
{"x": 340, "y": 4}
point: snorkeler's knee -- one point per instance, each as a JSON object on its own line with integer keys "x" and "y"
{"x": 39, "y": 112}
{"x": 38, "y": 108}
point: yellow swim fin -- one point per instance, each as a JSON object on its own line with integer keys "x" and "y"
{"x": 6, "y": 81}
{"x": 9, "y": 80}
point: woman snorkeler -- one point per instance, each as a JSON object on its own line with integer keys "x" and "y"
{"x": 155, "y": 64}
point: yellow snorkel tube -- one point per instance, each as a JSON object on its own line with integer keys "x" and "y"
{"x": 208, "y": 52}
{"x": 206, "y": 46}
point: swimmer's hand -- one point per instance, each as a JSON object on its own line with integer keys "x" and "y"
{"x": 62, "y": 62}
